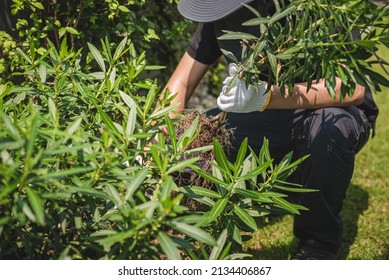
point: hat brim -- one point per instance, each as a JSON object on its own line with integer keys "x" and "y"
{"x": 209, "y": 10}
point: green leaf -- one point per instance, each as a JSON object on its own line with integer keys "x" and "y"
{"x": 189, "y": 135}
{"x": 162, "y": 112}
{"x": 136, "y": 182}
{"x": 168, "y": 246}
{"x": 131, "y": 123}
{"x": 230, "y": 35}
{"x": 53, "y": 111}
{"x": 36, "y": 205}
{"x": 272, "y": 61}
{"x": 284, "y": 204}
{"x": 108, "y": 122}
{"x": 74, "y": 126}
{"x": 98, "y": 57}
{"x": 245, "y": 217}
{"x": 290, "y": 9}
{"x": 32, "y": 136}
{"x": 115, "y": 238}
{"x": 119, "y": 50}
{"x": 256, "y": 21}
{"x": 196, "y": 233}
{"x": 181, "y": 165}
{"x": 209, "y": 177}
{"x": 72, "y": 30}
{"x": 238, "y": 256}
{"x": 24, "y": 55}
{"x": 377, "y": 77}
{"x": 217, "y": 209}
{"x": 172, "y": 132}
{"x": 241, "y": 155}
{"x": 64, "y": 173}
{"x": 254, "y": 195}
{"x": 43, "y": 73}
{"x": 201, "y": 191}
{"x": 256, "y": 171}
{"x": 123, "y": 9}
{"x": 216, "y": 250}
{"x": 220, "y": 157}
{"x": 37, "y": 5}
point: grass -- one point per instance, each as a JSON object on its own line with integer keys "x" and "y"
{"x": 366, "y": 209}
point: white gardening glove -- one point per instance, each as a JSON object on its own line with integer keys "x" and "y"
{"x": 240, "y": 99}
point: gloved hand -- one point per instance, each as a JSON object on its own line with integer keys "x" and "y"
{"x": 240, "y": 99}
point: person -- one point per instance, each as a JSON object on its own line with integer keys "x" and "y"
{"x": 310, "y": 122}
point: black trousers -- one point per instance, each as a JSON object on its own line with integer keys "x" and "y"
{"x": 332, "y": 137}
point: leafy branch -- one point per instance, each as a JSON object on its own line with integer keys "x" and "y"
{"x": 312, "y": 40}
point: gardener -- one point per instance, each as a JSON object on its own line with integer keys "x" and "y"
{"x": 331, "y": 131}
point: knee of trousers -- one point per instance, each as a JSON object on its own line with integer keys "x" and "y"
{"x": 333, "y": 129}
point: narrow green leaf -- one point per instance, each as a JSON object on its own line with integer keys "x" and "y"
{"x": 36, "y": 205}
{"x": 162, "y": 112}
{"x": 91, "y": 192}
{"x": 256, "y": 21}
{"x": 119, "y": 50}
{"x": 201, "y": 191}
{"x": 209, "y": 177}
{"x": 285, "y": 12}
{"x": 42, "y": 73}
{"x": 238, "y": 256}
{"x": 216, "y": 250}
{"x": 32, "y": 136}
{"x": 256, "y": 171}
{"x": 284, "y": 204}
{"x": 53, "y": 111}
{"x": 168, "y": 246}
{"x": 230, "y": 35}
{"x": 131, "y": 123}
{"x": 272, "y": 61}
{"x": 11, "y": 127}
{"x": 108, "y": 122}
{"x": 73, "y": 126}
{"x": 136, "y": 182}
{"x": 195, "y": 232}
{"x": 217, "y": 209}
{"x": 172, "y": 132}
{"x": 64, "y": 173}
{"x": 24, "y": 55}
{"x": 241, "y": 155}
{"x": 115, "y": 238}
{"x": 189, "y": 135}
{"x": 245, "y": 217}
{"x": 254, "y": 195}
{"x": 220, "y": 157}
{"x": 98, "y": 57}
{"x": 377, "y": 77}
{"x": 181, "y": 165}
{"x": 151, "y": 95}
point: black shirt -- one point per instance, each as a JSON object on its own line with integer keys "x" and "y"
{"x": 206, "y": 48}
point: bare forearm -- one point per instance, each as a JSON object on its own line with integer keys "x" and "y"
{"x": 316, "y": 97}
{"x": 185, "y": 79}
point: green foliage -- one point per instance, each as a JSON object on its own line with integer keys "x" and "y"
{"x": 81, "y": 179}
{"x": 151, "y": 24}
{"x": 311, "y": 40}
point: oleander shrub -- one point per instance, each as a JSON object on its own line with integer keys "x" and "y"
{"x": 87, "y": 173}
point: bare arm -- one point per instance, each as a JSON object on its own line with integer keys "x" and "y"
{"x": 185, "y": 79}
{"x": 316, "y": 97}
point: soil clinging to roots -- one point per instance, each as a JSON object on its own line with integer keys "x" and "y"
{"x": 209, "y": 130}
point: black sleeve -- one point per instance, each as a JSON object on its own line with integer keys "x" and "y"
{"x": 204, "y": 47}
